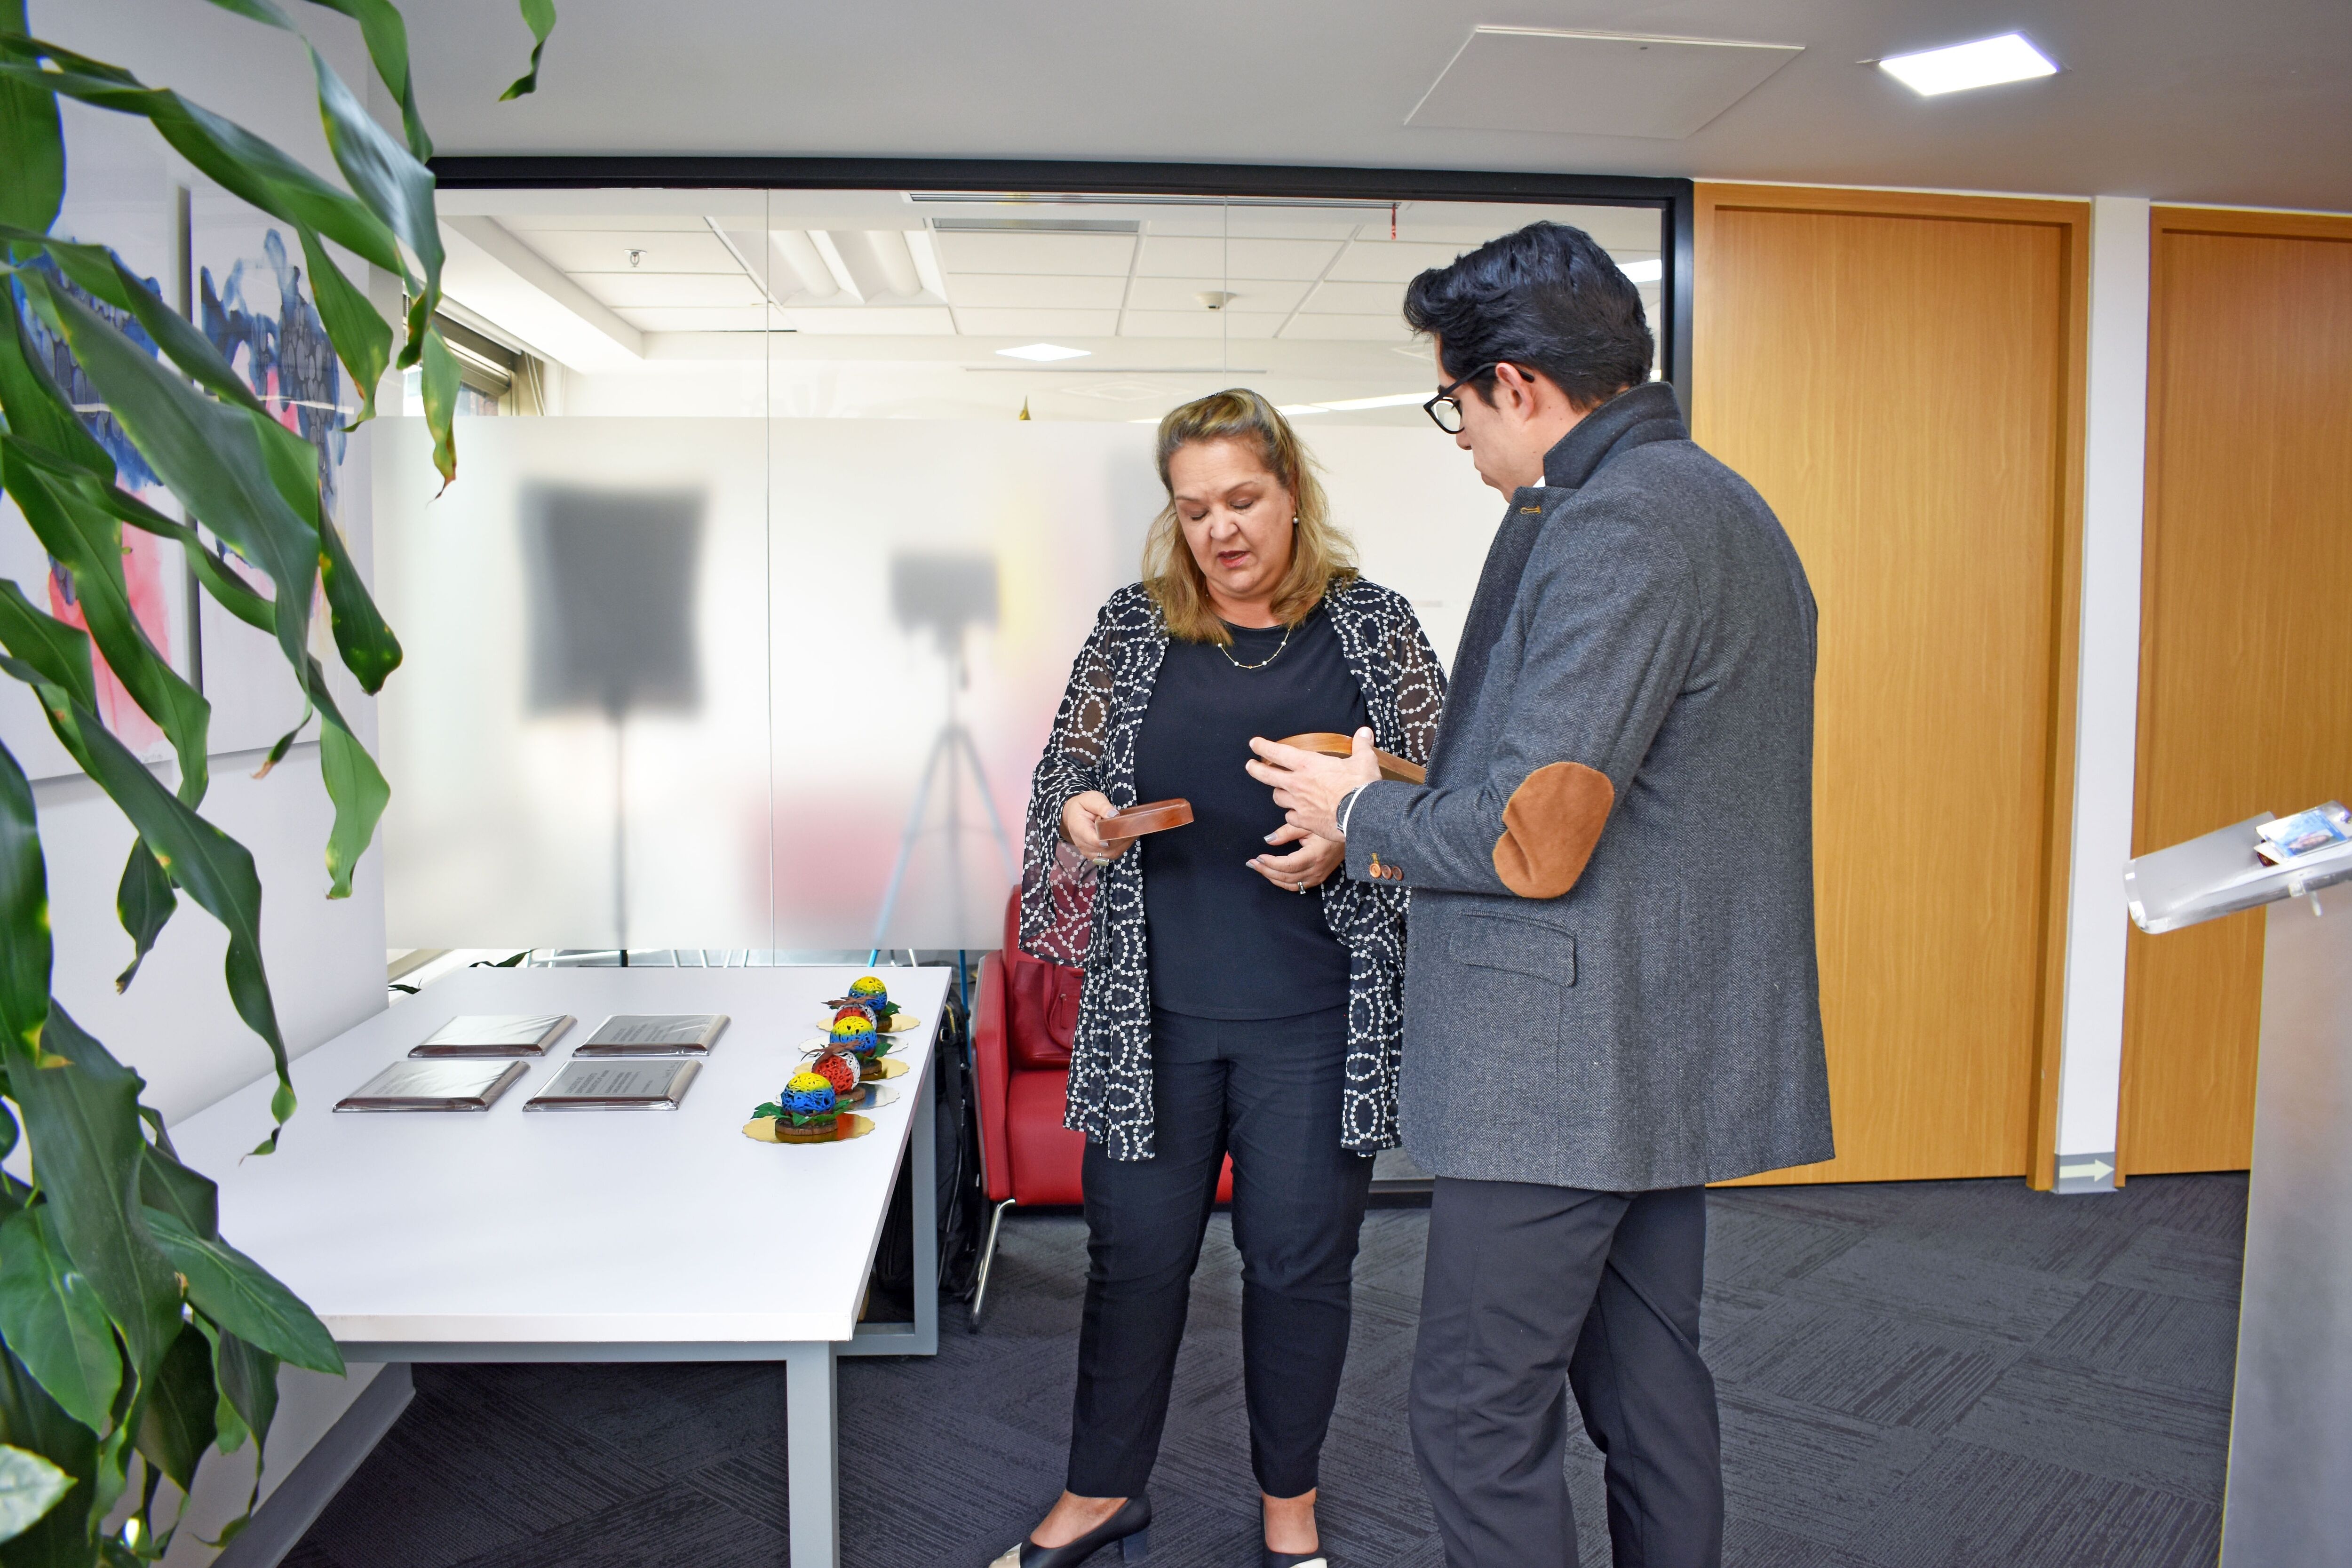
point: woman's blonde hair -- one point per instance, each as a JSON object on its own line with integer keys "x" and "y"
{"x": 1320, "y": 555}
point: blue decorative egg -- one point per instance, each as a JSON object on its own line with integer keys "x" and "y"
{"x": 807, "y": 1094}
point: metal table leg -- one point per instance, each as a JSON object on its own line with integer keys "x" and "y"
{"x": 812, "y": 1456}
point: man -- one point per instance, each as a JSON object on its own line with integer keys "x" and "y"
{"x": 1610, "y": 993}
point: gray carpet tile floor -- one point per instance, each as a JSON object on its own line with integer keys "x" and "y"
{"x": 1940, "y": 1374}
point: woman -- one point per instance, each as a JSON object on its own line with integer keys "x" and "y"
{"x": 1225, "y": 1010}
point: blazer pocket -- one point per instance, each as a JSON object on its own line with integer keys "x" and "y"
{"x": 1522, "y": 947}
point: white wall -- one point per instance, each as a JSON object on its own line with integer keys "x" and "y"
{"x": 325, "y": 959}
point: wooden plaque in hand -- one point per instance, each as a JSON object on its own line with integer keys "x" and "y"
{"x": 1152, "y": 817}
{"x": 1395, "y": 769}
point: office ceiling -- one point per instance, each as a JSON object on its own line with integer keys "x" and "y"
{"x": 2178, "y": 99}
{"x": 1137, "y": 302}
{"x": 886, "y": 263}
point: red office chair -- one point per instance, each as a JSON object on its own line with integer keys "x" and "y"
{"x": 1022, "y": 1026}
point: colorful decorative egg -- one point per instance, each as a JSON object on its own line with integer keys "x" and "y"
{"x": 865, "y": 988}
{"x": 856, "y": 1010}
{"x": 807, "y": 1094}
{"x": 836, "y": 1069}
{"x": 854, "y": 1033}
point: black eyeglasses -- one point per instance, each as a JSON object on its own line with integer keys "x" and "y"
{"x": 1444, "y": 410}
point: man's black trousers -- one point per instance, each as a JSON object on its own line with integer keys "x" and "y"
{"x": 1531, "y": 1291}
{"x": 1269, "y": 1091}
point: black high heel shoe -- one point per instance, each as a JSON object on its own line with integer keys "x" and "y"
{"x": 1313, "y": 1559}
{"x": 1130, "y": 1527}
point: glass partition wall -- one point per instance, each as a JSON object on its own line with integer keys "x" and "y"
{"x": 782, "y": 513}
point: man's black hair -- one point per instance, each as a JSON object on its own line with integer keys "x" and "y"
{"x": 1546, "y": 298}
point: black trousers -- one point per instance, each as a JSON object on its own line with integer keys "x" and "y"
{"x": 1531, "y": 1291}
{"x": 1268, "y": 1090}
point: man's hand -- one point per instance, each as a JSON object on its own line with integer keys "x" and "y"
{"x": 1306, "y": 866}
{"x": 1309, "y": 785}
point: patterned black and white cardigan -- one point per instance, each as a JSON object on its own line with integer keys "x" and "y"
{"x": 1076, "y": 913}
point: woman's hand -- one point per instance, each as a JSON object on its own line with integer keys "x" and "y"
{"x": 1079, "y": 814}
{"x": 1306, "y": 867}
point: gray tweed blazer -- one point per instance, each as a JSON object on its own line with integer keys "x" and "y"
{"x": 1609, "y": 977}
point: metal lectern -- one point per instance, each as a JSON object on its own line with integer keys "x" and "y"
{"x": 2290, "y": 1489}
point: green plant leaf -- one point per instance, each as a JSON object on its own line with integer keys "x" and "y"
{"x": 87, "y": 541}
{"x": 83, "y": 1120}
{"x": 362, "y": 338}
{"x": 37, "y": 406}
{"x": 32, "y": 1421}
{"x": 29, "y": 1487}
{"x": 438, "y": 384}
{"x": 101, "y": 274}
{"x": 387, "y": 45}
{"x": 51, "y": 1317}
{"x": 59, "y": 652}
{"x": 175, "y": 1409}
{"x": 352, "y": 776}
{"x": 144, "y": 901}
{"x": 369, "y": 649}
{"x": 209, "y": 865}
{"x": 210, "y": 456}
{"x": 243, "y": 1298}
{"x": 189, "y": 1197}
{"x": 230, "y": 591}
{"x": 539, "y": 17}
{"x": 241, "y": 162}
{"x": 397, "y": 187}
{"x": 23, "y": 913}
{"x": 32, "y": 146}
{"x": 248, "y": 1381}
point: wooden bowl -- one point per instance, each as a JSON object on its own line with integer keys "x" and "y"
{"x": 1395, "y": 769}
{"x": 1152, "y": 817}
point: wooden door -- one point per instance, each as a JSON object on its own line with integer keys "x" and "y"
{"x": 1900, "y": 376}
{"x": 2245, "y": 630}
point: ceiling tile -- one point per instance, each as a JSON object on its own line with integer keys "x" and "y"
{"x": 1391, "y": 260}
{"x": 1251, "y": 296}
{"x": 1298, "y": 259}
{"x": 1039, "y": 323}
{"x": 1196, "y": 324}
{"x": 876, "y": 321}
{"x": 1459, "y": 225}
{"x": 1594, "y": 84}
{"x": 1006, "y": 291}
{"x": 1093, "y": 254}
{"x": 657, "y": 289}
{"x": 1339, "y": 329}
{"x": 1357, "y": 300}
{"x": 607, "y": 222}
{"x": 692, "y": 318}
{"x": 607, "y": 250}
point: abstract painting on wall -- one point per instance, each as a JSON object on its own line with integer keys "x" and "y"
{"x": 140, "y": 223}
{"x": 255, "y": 305}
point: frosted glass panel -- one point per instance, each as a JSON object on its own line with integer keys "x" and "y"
{"x": 908, "y": 552}
{"x": 895, "y": 602}
{"x": 548, "y": 788}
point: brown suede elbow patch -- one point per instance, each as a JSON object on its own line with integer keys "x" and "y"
{"x": 1549, "y": 826}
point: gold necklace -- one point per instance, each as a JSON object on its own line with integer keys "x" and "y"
{"x": 1269, "y": 658}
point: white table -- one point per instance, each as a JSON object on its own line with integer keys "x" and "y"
{"x": 597, "y": 1236}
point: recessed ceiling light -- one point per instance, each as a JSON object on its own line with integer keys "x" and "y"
{"x": 1648, "y": 271}
{"x": 1045, "y": 353}
{"x": 1985, "y": 63}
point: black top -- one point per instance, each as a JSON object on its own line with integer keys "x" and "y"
{"x": 1224, "y": 942}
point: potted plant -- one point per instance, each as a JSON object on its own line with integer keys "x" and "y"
{"x": 132, "y": 1336}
